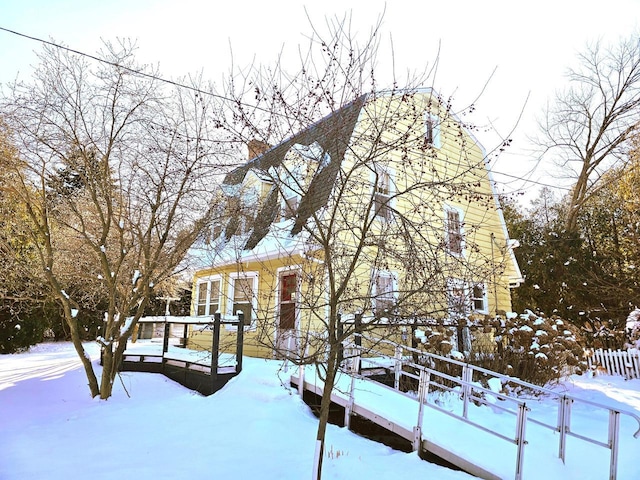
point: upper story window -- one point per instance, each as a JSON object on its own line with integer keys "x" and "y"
{"x": 382, "y": 192}
{"x": 208, "y": 298}
{"x": 384, "y": 293}
{"x": 454, "y": 234}
{"x": 431, "y": 130}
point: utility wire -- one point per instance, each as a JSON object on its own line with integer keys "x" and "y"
{"x": 134, "y": 71}
{"x": 205, "y": 92}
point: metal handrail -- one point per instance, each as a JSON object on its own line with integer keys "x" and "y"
{"x": 565, "y": 401}
{"x": 467, "y": 386}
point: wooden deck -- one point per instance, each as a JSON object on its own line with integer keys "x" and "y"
{"x": 205, "y": 371}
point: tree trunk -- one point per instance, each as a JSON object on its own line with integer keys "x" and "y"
{"x": 108, "y": 372}
{"x": 325, "y": 404}
{"x": 84, "y": 358}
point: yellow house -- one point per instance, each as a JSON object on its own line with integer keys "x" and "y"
{"x": 384, "y": 208}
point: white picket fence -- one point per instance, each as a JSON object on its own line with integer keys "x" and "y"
{"x": 618, "y": 362}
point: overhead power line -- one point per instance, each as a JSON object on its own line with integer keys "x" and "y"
{"x": 203, "y": 92}
{"x": 132, "y": 70}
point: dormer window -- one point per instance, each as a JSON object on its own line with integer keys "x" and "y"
{"x": 290, "y": 207}
{"x": 431, "y": 130}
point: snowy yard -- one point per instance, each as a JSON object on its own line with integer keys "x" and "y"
{"x": 256, "y": 427}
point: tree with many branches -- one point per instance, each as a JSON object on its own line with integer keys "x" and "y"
{"x": 114, "y": 170}
{"x": 354, "y": 198}
{"x": 590, "y": 122}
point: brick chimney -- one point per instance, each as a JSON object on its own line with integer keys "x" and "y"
{"x": 256, "y": 147}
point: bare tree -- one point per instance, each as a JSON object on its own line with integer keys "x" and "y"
{"x": 358, "y": 202}
{"x": 589, "y": 122}
{"x": 114, "y": 170}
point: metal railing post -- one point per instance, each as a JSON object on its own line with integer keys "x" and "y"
{"x": 355, "y": 367}
{"x": 564, "y": 422}
{"x": 397, "y": 367}
{"x": 520, "y": 439}
{"x": 614, "y": 431}
{"x": 423, "y": 388}
{"x": 465, "y": 390}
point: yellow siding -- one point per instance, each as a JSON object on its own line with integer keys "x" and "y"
{"x": 458, "y": 159}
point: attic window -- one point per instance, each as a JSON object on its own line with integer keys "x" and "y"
{"x": 431, "y": 130}
{"x": 382, "y": 193}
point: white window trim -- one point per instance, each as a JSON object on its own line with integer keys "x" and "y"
{"x": 485, "y": 298}
{"x": 375, "y": 274}
{"x": 447, "y": 209}
{"x": 435, "y": 129}
{"x": 297, "y": 269}
{"x": 254, "y": 300}
{"x": 279, "y": 271}
{"x": 391, "y": 205}
{"x": 467, "y": 288}
{"x": 208, "y": 281}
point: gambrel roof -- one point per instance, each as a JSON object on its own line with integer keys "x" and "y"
{"x": 333, "y": 134}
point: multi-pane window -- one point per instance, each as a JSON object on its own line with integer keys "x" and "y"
{"x": 382, "y": 193}
{"x": 384, "y": 293}
{"x": 453, "y": 237}
{"x": 463, "y": 298}
{"x": 431, "y": 130}
{"x": 243, "y": 297}
{"x": 478, "y": 298}
{"x": 208, "y": 298}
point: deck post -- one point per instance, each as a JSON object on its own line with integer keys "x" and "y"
{"x": 185, "y": 335}
{"x": 239, "y": 341}
{"x": 215, "y": 347}
{"x": 301, "y": 380}
{"x": 357, "y": 323}
{"x": 165, "y": 340}
{"x": 340, "y": 333}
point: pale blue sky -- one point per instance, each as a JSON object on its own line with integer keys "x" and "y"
{"x": 531, "y": 44}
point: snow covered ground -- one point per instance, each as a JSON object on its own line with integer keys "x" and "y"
{"x": 256, "y": 427}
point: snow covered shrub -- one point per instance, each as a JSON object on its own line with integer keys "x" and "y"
{"x": 633, "y": 330}
{"x": 535, "y": 348}
{"x": 436, "y": 339}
